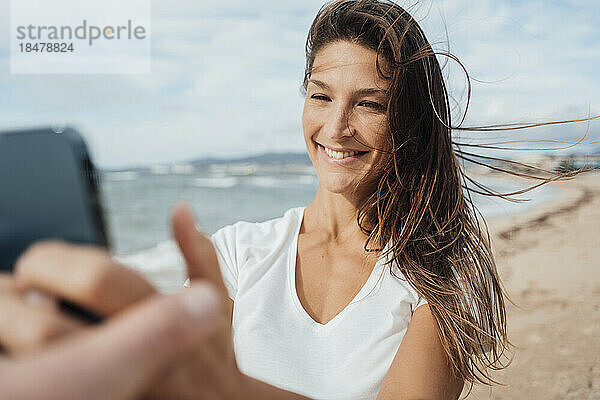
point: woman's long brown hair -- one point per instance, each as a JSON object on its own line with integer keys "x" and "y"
{"x": 418, "y": 198}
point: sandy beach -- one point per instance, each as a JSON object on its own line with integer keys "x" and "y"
{"x": 549, "y": 261}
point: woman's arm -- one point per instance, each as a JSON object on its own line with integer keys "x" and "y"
{"x": 420, "y": 368}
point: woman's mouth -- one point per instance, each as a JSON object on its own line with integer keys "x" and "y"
{"x": 340, "y": 157}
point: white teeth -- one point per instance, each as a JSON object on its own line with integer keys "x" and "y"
{"x": 339, "y": 155}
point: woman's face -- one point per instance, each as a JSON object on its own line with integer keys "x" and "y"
{"x": 344, "y": 115}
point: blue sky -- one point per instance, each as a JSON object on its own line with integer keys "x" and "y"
{"x": 226, "y": 76}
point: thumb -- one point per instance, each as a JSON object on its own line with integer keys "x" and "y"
{"x": 123, "y": 358}
{"x": 197, "y": 250}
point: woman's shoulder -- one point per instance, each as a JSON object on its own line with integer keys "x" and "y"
{"x": 398, "y": 279}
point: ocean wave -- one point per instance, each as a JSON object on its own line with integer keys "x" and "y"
{"x": 122, "y": 176}
{"x": 162, "y": 265}
{"x": 218, "y": 183}
{"x": 182, "y": 169}
{"x": 307, "y": 179}
{"x": 160, "y": 169}
{"x": 163, "y": 256}
{"x": 282, "y": 182}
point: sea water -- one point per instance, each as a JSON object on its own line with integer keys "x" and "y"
{"x": 137, "y": 206}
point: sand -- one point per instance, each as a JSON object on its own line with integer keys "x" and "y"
{"x": 549, "y": 261}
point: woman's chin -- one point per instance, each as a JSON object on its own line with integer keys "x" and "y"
{"x": 338, "y": 186}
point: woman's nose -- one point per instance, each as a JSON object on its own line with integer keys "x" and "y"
{"x": 338, "y": 123}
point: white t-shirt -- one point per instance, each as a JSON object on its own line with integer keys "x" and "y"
{"x": 276, "y": 341}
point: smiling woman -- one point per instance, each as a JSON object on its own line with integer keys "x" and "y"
{"x": 344, "y": 120}
{"x": 389, "y": 231}
{"x": 384, "y": 286}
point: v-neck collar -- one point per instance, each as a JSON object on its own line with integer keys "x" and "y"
{"x": 368, "y": 286}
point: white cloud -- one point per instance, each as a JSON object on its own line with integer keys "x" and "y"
{"x": 226, "y": 75}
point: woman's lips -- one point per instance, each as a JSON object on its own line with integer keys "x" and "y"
{"x": 339, "y": 157}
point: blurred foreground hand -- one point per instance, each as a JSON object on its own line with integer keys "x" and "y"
{"x": 145, "y": 342}
{"x": 119, "y": 359}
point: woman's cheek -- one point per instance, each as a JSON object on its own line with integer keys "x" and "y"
{"x": 309, "y": 125}
{"x": 375, "y": 132}
{"x": 308, "y": 115}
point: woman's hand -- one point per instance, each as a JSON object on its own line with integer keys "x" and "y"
{"x": 28, "y": 322}
{"x": 211, "y": 372}
{"x": 120, "y": 359}
{"x": 30, "y": 318}
{"x": 88, "y": 277}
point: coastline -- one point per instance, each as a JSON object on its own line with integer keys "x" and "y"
{"x": 548, "y": 259}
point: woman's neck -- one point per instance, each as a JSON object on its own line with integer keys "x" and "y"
{"x": 333, "y": 215}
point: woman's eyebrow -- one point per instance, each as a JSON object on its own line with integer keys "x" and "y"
{"x": 360, "y": 92}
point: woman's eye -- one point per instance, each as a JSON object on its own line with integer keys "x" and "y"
{"x": 372, "y": 104}
{"x": 369, "y": 104}
{"x": 319, "y": 97}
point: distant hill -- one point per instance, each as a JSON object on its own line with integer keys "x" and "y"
{"x": 268, "y": 158}
{"x": 262, "y": 159}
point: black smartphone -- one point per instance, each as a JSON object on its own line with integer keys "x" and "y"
{"x": 48, "y": 190}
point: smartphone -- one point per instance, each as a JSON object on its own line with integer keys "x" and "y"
{"x": 48, "y": 190}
